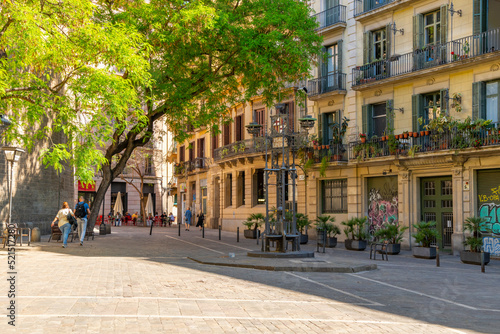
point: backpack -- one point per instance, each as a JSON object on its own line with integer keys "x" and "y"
{"x": 80, "y": 210}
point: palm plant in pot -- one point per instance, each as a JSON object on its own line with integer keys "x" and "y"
{"x": 393, "y": 235}
{"x": 253, "y": 222}
{"x": 303, "y": 223}
{"x": 425, "y": 235}
{"x": 325, "y": 229}
{"x": 474, "y": 242}
{"x": 356, "y": 234}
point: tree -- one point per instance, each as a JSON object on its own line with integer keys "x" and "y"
{"x": 205, "y": 56}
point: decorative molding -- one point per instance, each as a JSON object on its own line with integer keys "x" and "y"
{"x": 457, "y": 171}
{"x": 431, "y": 81}
{"x": 378, "y": 92}
{"x": 331, "y": 103}
{"x": 405, "y": 175}
{"x": 494, "y": 67}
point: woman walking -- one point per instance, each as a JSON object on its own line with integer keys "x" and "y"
{"x": 201, "y": 219}
{"x": 64, "y": 225}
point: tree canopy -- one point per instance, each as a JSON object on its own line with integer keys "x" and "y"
{"x": 104, "y": 71}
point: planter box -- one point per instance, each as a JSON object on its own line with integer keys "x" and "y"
{"x": 330, "y": 242}
{"x": 250, "y": 234}
{"x": 357, "y": 245}
{"x": 474, "y": 258}
{"x": 304, "y": 238}
{"x": 424, "y": 252}
{"x": 393, "y": 249}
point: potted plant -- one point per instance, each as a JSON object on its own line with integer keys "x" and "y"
{"x": 474, "y": 242}
{"x": 253, "y": 222}
{"x": 324, "y": 166}
{"x": 355, "y": 231}
{"x": 362, "y": 136}
{"x": 414, "y": 149}
{"x": 426, "y": 234}
{"x": 303, "y": 223}
{"x": 327, "y": 231}
{"x": 392, "y": 234}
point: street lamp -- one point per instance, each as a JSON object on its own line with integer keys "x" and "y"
{"x": 12, "y": 155}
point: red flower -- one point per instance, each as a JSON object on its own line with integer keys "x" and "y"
{"x": 452, "y": 52}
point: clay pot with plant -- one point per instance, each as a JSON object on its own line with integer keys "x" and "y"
{"x": 474, "y": 241}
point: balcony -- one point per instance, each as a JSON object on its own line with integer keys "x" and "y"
{"x": 461, "y": 51}
{"x": 240, "y": 148}
{"x": 454, "y": 139}
{"x": 334, "y": 82}
{"x": 364, "y": 6}
{"x": 333, "y": 152}
{"x": 331, "y": 17}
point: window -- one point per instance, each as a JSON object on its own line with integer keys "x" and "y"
{"x": 259, "y": 118}
{"x": 226, "y": 131}
{"x": 379, "y": 44}
{"x": 182, "y": 154}
{"x": 432, "y": 28}
{"x": 239, "y": 128}
{"x": 191, "y": 151}
{"x": 492, "y": 108}
{"x": 334, "y": 196}
{"x": 379, "y": 119}
{"x": 328, "y": 120}
{"x": 241, "y": 189}
{"x": 148, "y": 165}
{"x": 485, "y": 15}
{"x": 229, "y": 190}
{"x": 331, "y": 67}
{"x": 432, "y": 106}
{"x": 259, "y": 187}
{"x": 204, "y": 192}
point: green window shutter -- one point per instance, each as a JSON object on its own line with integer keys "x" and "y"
{"x": 326, "y": 133}
{"x": 367, "y": 47}
{"x": 388, "y": 40}
{"x": 323, "y": 63}
{"x": 444, "y": 23}
{"x": 443, "y": 96}
{"x": 389, "y": 117}
{"x": 418, "y": 31}
{"x": 478, "y": 100}
{"x": 417, "y": 111}
{"x": 367, "y": 5}
{"x": 339, "y": 57}
{"x": 479, "y": 9}
{"x": 365, "y": 117}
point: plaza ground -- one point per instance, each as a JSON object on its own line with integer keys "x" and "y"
{"x": 131, "y": 282}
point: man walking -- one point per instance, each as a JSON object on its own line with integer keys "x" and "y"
{"x": 81, "y": 211}
{"x": 188, "y": 216}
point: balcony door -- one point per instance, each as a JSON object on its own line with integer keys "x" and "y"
{"x": 331, "y": 67}
{"x": 486, "y": 25}
{"x": 332, "y": 12}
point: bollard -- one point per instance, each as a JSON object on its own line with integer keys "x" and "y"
{"x": 203, "y": 230}
{"x": 482, "y": 261}
{"x": 324, "y": 241}
{"x": 220, "y": 229}
{"x": 179, "y": 225}
{"x": 258, "y": 236}
{"x": 238, "y": 234}
{"x": 438, "y": 264}
{"x": 102, "y": 229}
{"x": 35, "y": 234}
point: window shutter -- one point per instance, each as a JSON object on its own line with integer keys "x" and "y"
{"x": 326, "y": 140}
{"x": 478, "y": 100}
{"x": 323, "y": 63}
{"x": 388, "y": 40}
{"x": 389, "y": 117}
{"x": 417, "y": 111}
{"x": 367, "y": 5}
{"x": 320, "y": 128}
{"x": 444, "y": 23}
{"x": 367, "y": 47}
{"x": 339, "y": 57}
{"x": 443, "y": 96}
{"x": 418, "y": 31}
{"x": 479, "y": 17}
{"x": 365, "y": 117}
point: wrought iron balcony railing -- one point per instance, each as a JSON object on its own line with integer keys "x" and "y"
{"x": 240, "y": 148}
{"x": 331, "y": 82}
{"x": 447, "y": 139}
{"x": 431, "y": 56}
{"x": 333, "y": 152}
{"x": 331, "y": 16}
{"x": 364, "y": 6}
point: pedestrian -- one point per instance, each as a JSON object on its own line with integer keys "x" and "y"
{"x": 188, "y": 215}
{"x": 81, "y": 211}
{"x": 201, "y": 219}
{"x": 164, "y": 218}
{"x": 134, "y": 217}
{"x": 64, "y": 225}
{"x": 171, "y": 219}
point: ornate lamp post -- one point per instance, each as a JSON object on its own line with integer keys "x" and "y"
{"x": 12, "y": 155}
{"x": 282, "y": 145}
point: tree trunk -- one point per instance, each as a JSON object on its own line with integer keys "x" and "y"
{"x": 101, "y": 192}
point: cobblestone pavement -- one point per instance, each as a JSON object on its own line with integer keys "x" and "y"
{"x": 131, "y": 282}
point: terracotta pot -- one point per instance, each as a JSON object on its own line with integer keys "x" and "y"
{"x": 405, "y": 135}
{"x": 410, "y": 134}
{"x": 327, "y": 147}
{"x": 415, "y": 134}
{"x": 397, "y": 136}
{"x": 422, "y": 133}
{"x": 323, "y": 146}
{"x": 363, "y": 140}
{"x": 382, "y": 138}
{"x": 315, "y": 147}
{"x": 426, "y": 132}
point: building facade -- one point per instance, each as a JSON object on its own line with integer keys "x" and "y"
{"x": 420, "y": 81}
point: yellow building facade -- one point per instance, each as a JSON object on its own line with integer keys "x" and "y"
{"x": 393, "y": 69}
